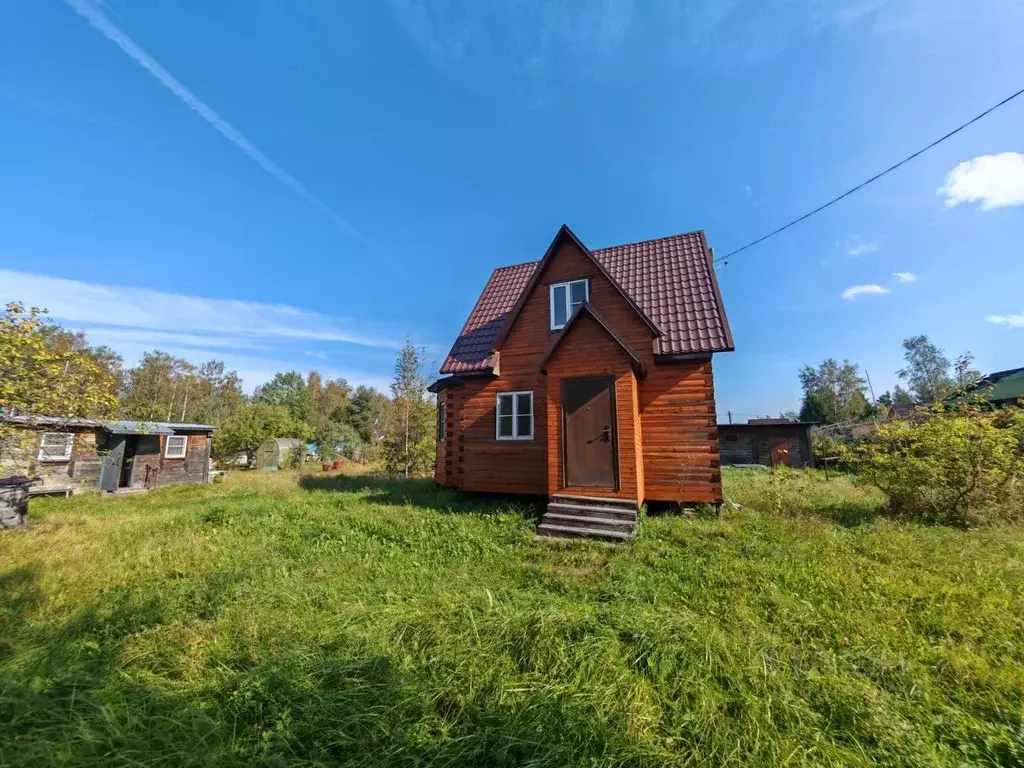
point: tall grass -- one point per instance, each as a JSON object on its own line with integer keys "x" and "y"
{"x": 362, "y": 622}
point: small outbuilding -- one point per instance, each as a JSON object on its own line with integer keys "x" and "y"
{"x": 98, "y": 454}
{"x": 766, "y": 441}
{"x": 278, "y": 452}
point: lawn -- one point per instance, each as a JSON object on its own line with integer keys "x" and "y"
{"x": 348, "y": 620}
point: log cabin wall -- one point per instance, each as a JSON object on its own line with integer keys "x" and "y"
{"x": 680, "y": 433}
{"x": 587, "y": 352}
{"x": 667, "y": 426}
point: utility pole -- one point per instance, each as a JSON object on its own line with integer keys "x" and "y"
{"x": 730, "y": 416}
{"x": 870, "y": 388}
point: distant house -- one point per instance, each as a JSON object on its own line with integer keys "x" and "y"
{"x": 587, "y": 375}
{"x": 1002, "y": 388}
{"x": 105, "y": 455}
{"x": 766, "y": 441}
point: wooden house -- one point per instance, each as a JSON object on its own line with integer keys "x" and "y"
{"x": 100, "y": 455}
{"x": 770, "y": 442}
{"x": 586, "y": 378}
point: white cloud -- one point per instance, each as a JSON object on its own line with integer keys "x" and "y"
{"x": 224, "y": 321}
{"x": 905, "y": 277}
{"x": 853, "y": 292}
{"x": 317, "y": 355}
{"x": 996, "y": 181}
{"x": 1010, "y": 321}
{"x": 90, "y": 11}
{"x": 748, "y": 189}
{"x": 856, "y": 246}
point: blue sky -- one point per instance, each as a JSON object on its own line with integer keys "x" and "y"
{"x": 296, "y": 185}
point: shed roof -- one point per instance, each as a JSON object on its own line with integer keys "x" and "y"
{"x": 1003, "y": 385}
{"x": 113, "y": 426}
{"x": 670, "y": 279}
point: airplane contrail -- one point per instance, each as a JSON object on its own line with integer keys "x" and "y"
{"x": 108, "y": 29}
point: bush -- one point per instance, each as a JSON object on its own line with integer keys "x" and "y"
{"x": 961, "y": 468}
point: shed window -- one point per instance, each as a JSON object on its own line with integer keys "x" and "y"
{"x": 56, "y": 446}
{"x": 514, "y": 420}
{"x": 440, "y": 419}
{"x": 732, "y": 438}
{"x": 176, "y": 447}
{"x": 566, "y": 299}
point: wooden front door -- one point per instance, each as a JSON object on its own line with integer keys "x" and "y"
{"x": 588, "y": 417}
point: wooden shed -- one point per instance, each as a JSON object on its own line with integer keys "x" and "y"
{"x": 106, "y": 455}
{"x": 766, "y": 441}
{"x": 278, "y": 452}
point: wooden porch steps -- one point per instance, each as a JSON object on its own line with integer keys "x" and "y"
{"x": 588, "y": 517}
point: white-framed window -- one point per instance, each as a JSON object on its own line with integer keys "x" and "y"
{"x": 514, "y": 416}
{"x": 565, "y": 298}
{"x": 176, "y": 447}
{"x": 56, "y": 446}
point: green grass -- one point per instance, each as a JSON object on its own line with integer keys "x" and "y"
{"x": 358, "y": 622}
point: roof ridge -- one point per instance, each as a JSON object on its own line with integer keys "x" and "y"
{"x": 653, "y": 240}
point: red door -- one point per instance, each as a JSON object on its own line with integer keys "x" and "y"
{"x": 588, "y": 418}
{"x": 780, "y": 451}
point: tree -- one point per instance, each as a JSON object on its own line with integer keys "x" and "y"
{"x": 218, "y": 395}
{"x": 43, "y": 378}
{"x": 157, "y": 388}
{"x": 329, "y": 399}
{"x": 840, "y": 388}
{"x": 368, "y": 410}
{"x": 926, "y": 372}
{"x": 291, "y": 391}
{"x": 409, "y": 444}
{"x": 61, "y": 341}
{"x": 815, "y": 411}
{"x": 251, "y": 425}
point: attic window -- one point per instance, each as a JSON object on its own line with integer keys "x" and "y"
{"x": 176, "y": 447}
{"x": 56, "y": 446}
{"x": 565, "y": 299}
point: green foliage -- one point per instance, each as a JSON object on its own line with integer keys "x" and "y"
{"x": 361, "y": 622}
{"x": 251, "y": 425}
{"x": 834, "y": 392}
{"x": 368, "y": 413}
{"x": 815, "y": 411}
{"x": 46, "y": 374}
{"x": 167, "y": 388}
{"x": 290, "y": 391}
{"x": 926, "y": 372}
{"x": 962, "y": 467}
{"x": 409, "y": 445}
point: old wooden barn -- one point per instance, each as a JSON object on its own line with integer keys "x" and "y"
{"x": 770, "y": 442}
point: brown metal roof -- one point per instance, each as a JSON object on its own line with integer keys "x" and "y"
{"x": 671, "y": 279}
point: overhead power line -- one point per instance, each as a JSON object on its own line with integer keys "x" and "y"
{"x": 874, "y": 178}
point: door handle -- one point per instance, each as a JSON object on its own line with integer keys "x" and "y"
{"x": 604, "y": 437}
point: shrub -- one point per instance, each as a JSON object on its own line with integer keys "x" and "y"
{"x": 963, "y": 467}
